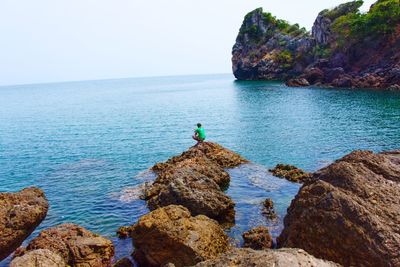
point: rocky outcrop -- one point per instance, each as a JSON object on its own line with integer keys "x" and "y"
{"x": 171, "y": 235}
{"x": 257, "y": 238}
{"x": 322, "y": 29}
{"x": 20, "y": 214}
{"x": 196, "y": 180}
{"x": 297, "y": 82}
{"x": 267, "y": 258}
{"x": 291, "y": 173}
{"x": 266, "y": 48}
{"x": 77, "y": 246}
{"x": 39, "y": 258}
{"x": 350, "y": 214}
{"x": 335, "y": 54}
{"x": 268, "y": 209}
{"x": 124, "y": 231}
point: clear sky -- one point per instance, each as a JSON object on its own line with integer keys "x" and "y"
{"x": 66, "y": 40}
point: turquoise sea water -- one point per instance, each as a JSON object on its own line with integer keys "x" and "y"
{"x": 88, "y": 144}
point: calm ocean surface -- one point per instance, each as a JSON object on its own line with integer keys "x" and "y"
{"x": 88, "y": 144}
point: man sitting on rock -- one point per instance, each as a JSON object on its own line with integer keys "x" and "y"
{"x": 199, "y": 134}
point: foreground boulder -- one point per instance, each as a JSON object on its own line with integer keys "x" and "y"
{"x": 351, "y": 214}
{"x": 196, "y": 180}
{"x": 257, "y": 238}
{"x": 172, "y": 235}
{"x": 20, "y": 214}
{"x": 76, "y": 245}
{"x": 39, "y": 258}
{"x": 267, "y": 258}
{"x": 291, "y": 173}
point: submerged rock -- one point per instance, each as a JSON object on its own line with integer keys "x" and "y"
{"x": 267, "y": 258}
{"x": 268, "y": 209}
{"x": 291, "y": 173}
{"x": 351, "y": 213}
{"x": 195, "y": 179}
{"x": 20, "y": 214}
{"x": 76, "y": 245}
{"x": 171, "y": 235}
{"x": 39, "y": 258}
{"x": 257, "y": 238}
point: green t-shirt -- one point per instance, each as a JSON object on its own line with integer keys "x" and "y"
{"x": 200, "y": 133}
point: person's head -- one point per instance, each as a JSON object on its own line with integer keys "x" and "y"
{"x": 198, "y": 125}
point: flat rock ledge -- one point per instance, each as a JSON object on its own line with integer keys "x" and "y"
{"x": 20, "y": 214}
{"x": 291, "y": 173}
{"x": 196, "y": 179}
{"x": 351, "y": 213}
{"x": 39, "y": 258}
{"x": 267, "y": 258}
{"x": 171, "y": 235}
{"x": 76, "y": 246}
{"x": 257, "y": 238}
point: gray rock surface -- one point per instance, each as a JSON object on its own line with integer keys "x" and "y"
{"x": 267, "y": 258}
{"x": 39, "y": 258}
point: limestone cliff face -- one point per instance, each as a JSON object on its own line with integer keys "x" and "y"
{"x": 271, "y": 49}
{"x": 266, "y": 48}
{"x": 322, "y": 28}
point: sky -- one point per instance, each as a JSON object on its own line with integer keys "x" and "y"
{"x": 68, "y": 40}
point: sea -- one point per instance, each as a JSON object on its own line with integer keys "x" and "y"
{"x": 89, "y": 144}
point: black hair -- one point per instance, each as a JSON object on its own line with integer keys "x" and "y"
{"x": 199, "y": 125}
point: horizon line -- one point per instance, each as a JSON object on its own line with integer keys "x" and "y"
{"x": 111, "y": 79}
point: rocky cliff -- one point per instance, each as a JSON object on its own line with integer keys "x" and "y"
{"x": 346, "y": 48}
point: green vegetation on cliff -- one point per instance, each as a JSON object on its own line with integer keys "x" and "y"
{"x": 382, "y": 19}
{"x": 271, "y": 23}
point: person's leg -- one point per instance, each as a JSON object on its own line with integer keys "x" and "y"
{"x": 195, "y": 137}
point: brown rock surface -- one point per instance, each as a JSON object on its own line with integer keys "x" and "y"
{"x": 351, "y": 214}
{"x": 297, "y": 82}
{"x": 20, "y": 214}
{"x": 171, "y": 235}
{"x": 195, "y": 179}
{"x": 284, "y": 257}
{"x": 124, "y": 262}
{"x": 313, "y": 75}
{"x": 223, "y": 157}
{"x": 76, "y": 245}
{"x": 124, "y": 231}
{"x": 291, "y": 173}
{"x": 257, "y": 238}
{"x": 39, "y": 258}
{"x": 268, "y": 209}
